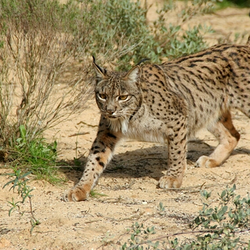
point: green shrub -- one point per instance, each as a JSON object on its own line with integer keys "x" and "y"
{"x": 36, "y": 156}
{"x": 139, "y": 236}
{"x": 217, "y": 226}
{"x": 222, "y": 224}
{"x": 120, "y": 32}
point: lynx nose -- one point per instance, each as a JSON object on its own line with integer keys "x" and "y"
{"x": 110, "y": 111}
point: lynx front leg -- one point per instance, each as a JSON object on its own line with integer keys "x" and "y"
{"x": 100, "y": 155}
{"x": 228, "y": 137}
{"x": 177, "y": 150}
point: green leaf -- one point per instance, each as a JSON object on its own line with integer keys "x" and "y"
{"x": 23, "y": 132}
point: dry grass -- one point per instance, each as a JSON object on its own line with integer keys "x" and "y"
{"x": 33, "y": 64}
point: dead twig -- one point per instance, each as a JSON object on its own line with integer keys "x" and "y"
{"x": 81, "y": 133}
{"x": 87, "y": 124}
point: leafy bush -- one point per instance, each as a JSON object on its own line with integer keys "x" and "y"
{"x": 222, "y": 224}
{"x": 121, "y": 32}
{"x": 218, "y": 226}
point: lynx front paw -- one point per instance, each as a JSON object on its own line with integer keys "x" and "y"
{"x": 76, "y": 194}
{"x": 205, "y": 161}
{"x": 170, "y": 182}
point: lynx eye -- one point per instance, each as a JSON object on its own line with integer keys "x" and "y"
{"x": 102, "y": 96}
{"x": 123, "y": 97}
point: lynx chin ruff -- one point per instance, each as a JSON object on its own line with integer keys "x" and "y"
{"x": 167, "y": 103}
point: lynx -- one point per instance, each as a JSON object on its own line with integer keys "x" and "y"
{"x": 167, "y": 103}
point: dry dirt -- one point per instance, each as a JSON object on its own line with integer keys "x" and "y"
{"x": 129, "y": 183}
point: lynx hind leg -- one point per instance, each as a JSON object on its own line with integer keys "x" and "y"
{"x": 228, "y": 137}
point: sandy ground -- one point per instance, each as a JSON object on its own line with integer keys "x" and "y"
{"x": 129, "y": 183}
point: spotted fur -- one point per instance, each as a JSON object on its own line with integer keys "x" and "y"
{"x": 167, "y": 103}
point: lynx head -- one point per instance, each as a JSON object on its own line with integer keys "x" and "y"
{"x": 118, "y": 95}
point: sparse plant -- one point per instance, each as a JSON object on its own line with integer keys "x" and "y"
{"x": 24, "y": 191}
{"x": 218, "y": 226}
{"x": 161, "y": 207}
{"x": 222, "y": 224}
{"x": 95, "y": 194}
{"x": 140, "y": 234}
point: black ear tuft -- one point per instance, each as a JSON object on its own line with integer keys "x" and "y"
{"x": 143, "y": 60}
{"x": 103, "y": 71}
{"x": 100, "y": 72}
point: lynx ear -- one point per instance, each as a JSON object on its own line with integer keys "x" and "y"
{"x": 133, "y": 74}
{"x": 100, "y": 72}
